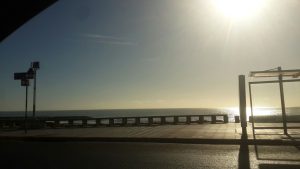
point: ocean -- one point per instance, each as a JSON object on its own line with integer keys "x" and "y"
{"x": 153, "y": 112}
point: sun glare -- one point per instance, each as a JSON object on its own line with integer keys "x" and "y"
{"x": 239, "y": 9}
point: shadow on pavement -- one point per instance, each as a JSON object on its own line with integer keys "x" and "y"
{"x": 277, "y": 153}
{"x": 244, "y": 161}
{"x": 279, "y": 166}
{"x": 270, "y": 152}
{"x": 293, "y": 138}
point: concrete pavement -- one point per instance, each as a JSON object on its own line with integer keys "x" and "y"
{"x": 218, "y": 133}
{"x": 216, "y": 146}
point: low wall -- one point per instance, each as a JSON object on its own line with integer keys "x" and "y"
{"x": 84, "y": 121}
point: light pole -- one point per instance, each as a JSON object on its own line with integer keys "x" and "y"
{"x": 24, "y": 77}
{"x": 34, "y": 66}
{"x": 25, "y": 82}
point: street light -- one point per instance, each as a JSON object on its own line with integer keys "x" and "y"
{"x": 34, "y": 67}
{"x": 24, "y": 77}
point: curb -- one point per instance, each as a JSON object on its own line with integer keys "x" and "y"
{"x": 151, "y": 140}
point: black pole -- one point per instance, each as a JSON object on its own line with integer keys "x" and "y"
{"x": 26, "y": 109}
{"x": 242, "y": 98}
{"x": 34, "y": 94}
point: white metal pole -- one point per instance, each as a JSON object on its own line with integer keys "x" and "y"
{"x": 282, "y": 102}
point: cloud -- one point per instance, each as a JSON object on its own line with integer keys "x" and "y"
{"x": 109, "y": 39}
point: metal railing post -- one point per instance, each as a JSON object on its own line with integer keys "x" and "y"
{"x": 282, "y": 102}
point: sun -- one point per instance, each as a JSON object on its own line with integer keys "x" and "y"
{"x": 239, "y": 9}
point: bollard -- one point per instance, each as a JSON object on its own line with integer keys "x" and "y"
{"x": 71, "y": 122}
{"x": 124, "y": 121}
{"x": 150, "y": 120}
{"x": 137, "y": 121}
{"x": 213, "y": 119}
{"x": 56, "y": 123}
{"x": 250, "y": 119}
{"x": 163, "y": 120}
{"x": 237, "y": 119}
{"x": 98, "y": 122}
{"x": 201, "y": 119}
{"x": 175, "y": 119}
{"x": 84, "y": 122}
{"x": 111, "y": 122}
{"x": 225, "y": 119}
{"x": 188, "y": 119}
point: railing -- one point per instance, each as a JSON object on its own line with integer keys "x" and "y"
{"x": 84, "y": 121}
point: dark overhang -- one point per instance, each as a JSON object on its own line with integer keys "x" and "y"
{"x": 14, "y": 13}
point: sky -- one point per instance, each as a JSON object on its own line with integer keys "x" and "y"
{"x": 114, "y": 54}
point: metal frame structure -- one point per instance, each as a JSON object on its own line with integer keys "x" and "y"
{"x": 25, "y": 77}
{"x": 274, "y": 73}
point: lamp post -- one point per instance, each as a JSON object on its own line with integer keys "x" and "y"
{"x": 25, "y": 82}
{"x": 34, "y": 66}
{"x": 24, "y": 77}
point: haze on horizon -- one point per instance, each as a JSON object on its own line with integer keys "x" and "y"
{"x": 113, "y": 54}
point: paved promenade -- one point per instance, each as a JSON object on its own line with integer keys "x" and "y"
{"x": 213, "y": 146}
{"x": 230, "y": 132}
